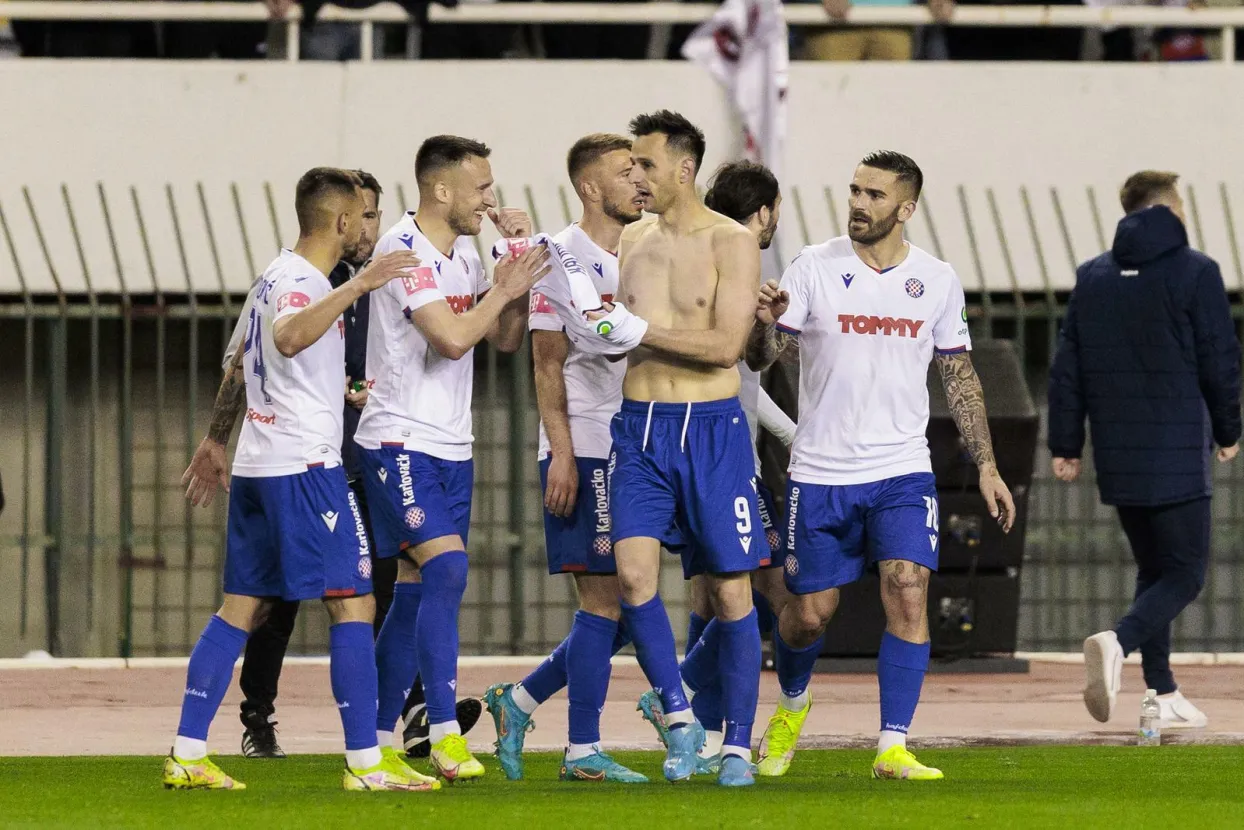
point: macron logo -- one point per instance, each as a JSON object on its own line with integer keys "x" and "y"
{"x": 599, "y": 269}
{"x": 932, "y": 541}
{"x": 746, "y": 542}
{"x": 846, "y": 279}
{"x": 384, "y": 475}
{"x": 330, "y": 519}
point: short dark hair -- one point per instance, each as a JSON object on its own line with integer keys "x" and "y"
{"x": 590, "y": 149}
{"x": 740, "y": 188}
{"x": 1143, "y": 188}
{"x": 317, "y": 185}
{"x": 370, "y": 182}
{"x": 679, "y": 133}
{"x": 904, "y": 167}
{"x": 441, "y": 151}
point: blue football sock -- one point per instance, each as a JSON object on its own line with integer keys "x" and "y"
{"x": 588, "y": 668}
{"x": 208, "y": 676}
{"x": 655, "y": 649}
{"x": 622, "y": 639}
{"x": 352, "y": 669}
{"x": 548, "y": 678}
{"x": 397, "y": 658}
{"x": 740, "y": 679}
{"x": 900, "y": 674}
{"x": 794, "y": 666}
{"x": 444, "y": 583}
{"x": 695, "y": 628}
{"x": 700, "y": 671}
{"x": 765, "y": 618}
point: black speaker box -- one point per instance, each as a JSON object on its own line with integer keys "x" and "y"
{"x": 969, "y": 535}
{"x": 969, "y": 614}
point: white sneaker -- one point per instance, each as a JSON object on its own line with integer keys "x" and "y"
{"x": 1179, "y": 713}
{"x": 1103, "y": 669}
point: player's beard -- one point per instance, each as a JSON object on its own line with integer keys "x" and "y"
{"x": 875, "y": 231}
{"x": 766, "y": 235}
{"x": 350, "y": 252}
{"x": 623, "y": 212}
{"x": 464, "y": 223}
{"x": 362, "y": 253}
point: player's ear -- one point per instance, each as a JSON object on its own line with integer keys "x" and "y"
{"x": 906, "y": 211}
{"x": 763, "y": 216}
{"x": 686, "y": 170}
{"x": 441, "y": 191}
{"x": 343, "y": 222}
{"x": 588, "y": 190}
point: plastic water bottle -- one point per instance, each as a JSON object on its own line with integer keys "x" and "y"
{"x": 1150, "y": 715}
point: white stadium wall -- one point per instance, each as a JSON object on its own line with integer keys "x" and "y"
{"x": 987, "y": 128}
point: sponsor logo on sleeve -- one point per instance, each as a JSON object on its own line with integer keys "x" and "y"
{"x": 540, "y": 304}
{"x": 292, "y": 299}
{"x": 420, "y": 278}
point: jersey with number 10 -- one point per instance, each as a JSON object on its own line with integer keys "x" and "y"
{"x": 865, "y": 343}
{"x": 293, "y": 404}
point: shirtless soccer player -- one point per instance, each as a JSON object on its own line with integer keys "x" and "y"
{"x": 578, "y": 394}
{"x": 682, "y": 453}
{"x": 868, "y": 312}
{"x": 748, "y": 193}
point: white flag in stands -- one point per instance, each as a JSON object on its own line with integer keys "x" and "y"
{"x": 744, "y": 45}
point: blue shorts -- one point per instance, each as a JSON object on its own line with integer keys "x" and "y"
{"x": 297, "y": 537}
{"x": 414, "y": 498}
{"x": 675, "y": 542}
{"x": 835, "y": 531}
{"x": 580, "y": 543}
{"x": 687, "y": 467}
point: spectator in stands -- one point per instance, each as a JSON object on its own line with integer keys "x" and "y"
{"x": 1149, "y": 354}
{"x": 1123, "y": 44}
{"x": 334, "y": 40}
{"x": 864, "y": 43}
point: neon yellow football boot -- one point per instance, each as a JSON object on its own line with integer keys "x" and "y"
{"x": 896, "y": 762}
{"x": 391, "y": 774}
{"x": 777, "y": 747}
{"x": 202, "y": 774}
{"x": 453, "y": 760}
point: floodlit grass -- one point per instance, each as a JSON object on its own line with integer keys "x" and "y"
{"x": 1055, "y": 787}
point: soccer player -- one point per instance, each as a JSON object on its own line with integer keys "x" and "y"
{"x": 415, "y": 432}
{"x": 265, "y": 649}
{"x": 294, "y": 527}
{"x": 748, "y": 193}
{"x": 682, "y": 453}
{"x": 578, "y": 394}
{"x": 870, "y": 311}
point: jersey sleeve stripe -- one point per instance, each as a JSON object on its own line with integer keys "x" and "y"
{"x": 789, "y": 330}
{"x": 955, "y": 350}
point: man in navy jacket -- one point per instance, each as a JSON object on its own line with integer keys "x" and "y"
{"x": 1149, "y": 354}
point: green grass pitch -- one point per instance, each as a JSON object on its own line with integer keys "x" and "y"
{"x": 1021, "y": 787}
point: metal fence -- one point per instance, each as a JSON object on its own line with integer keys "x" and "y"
{"x": 109, "y": 392}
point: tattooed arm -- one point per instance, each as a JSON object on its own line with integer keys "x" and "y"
{"x": 967, "y": 405}
{"x": 765, "y": 343}
{"x": 209, "y": 466}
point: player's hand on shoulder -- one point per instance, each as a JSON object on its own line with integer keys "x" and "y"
{"x": 772, "y": 304}
{"x": 387, "y": 267}
{"x": 511, "y": 222}
{"x": 836, "y": 9}
{"x": 515, "y": 275}
{"x": 997, "y": 497}
{"x": 208, "y": 468}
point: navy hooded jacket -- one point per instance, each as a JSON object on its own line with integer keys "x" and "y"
{"x": 1149, "y": 354}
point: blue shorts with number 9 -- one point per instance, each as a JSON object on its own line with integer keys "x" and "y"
{"x": 688, "y": 466}
{"x": 835, "y": 531}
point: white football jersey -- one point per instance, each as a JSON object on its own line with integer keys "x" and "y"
{"x": 593, "y": 384}
{"x": 419, "y": 399}
{"x": 293, "y": 404}
{"x": 749, "y": 399}
{"x": 865, "y": 343}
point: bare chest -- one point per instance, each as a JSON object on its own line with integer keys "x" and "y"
{"x": 668, "y": 280}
